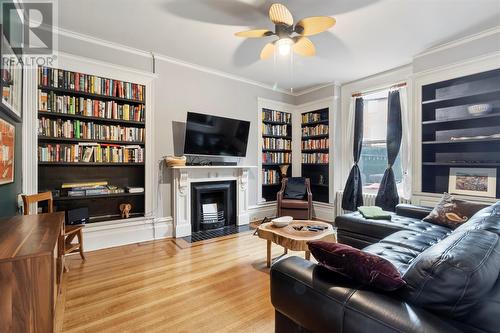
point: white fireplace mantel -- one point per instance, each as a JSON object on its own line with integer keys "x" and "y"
{"x": 183, "y": 176}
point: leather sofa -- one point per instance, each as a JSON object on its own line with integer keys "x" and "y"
{"x": 308, "y": 298}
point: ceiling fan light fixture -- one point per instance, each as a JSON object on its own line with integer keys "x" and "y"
{"x": 284, "y": 46}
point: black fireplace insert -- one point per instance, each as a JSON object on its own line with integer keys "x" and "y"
{"x": 213, "y": 205}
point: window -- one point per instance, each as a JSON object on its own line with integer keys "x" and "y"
{"x": 373, "y": 161}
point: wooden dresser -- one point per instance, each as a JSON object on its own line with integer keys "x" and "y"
{"x": 30, "y": 271}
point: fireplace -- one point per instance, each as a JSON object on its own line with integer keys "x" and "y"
{"x": 213, "y": 205}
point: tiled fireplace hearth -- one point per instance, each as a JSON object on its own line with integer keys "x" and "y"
{"x": 226, "y": 204}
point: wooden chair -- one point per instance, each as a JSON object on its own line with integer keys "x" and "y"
{"x": 70, "y": 231}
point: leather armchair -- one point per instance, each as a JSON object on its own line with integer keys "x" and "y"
{"x": 300, "y": 209}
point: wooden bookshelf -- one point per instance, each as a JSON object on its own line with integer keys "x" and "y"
{"x": 276, "y": 150}
{"x": 101, "y": 107}
{"x": 315, "y": 152}
{"x": 454, "y": 137}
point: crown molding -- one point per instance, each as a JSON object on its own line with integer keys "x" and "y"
{"x": 460, "y": 41}
{"x": 315, "y": 88}
{"x": 162, "y": 57}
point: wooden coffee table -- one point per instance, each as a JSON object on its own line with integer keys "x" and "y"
{"x": 292, "y": 239}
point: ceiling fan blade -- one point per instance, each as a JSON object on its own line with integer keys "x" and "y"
{"x": 279, "y": 14}
{"x": 255, "y": 33}
{"x": 314, "y": 25}
{"x": 304, "y": 47}
{"x": 267, "y": 51}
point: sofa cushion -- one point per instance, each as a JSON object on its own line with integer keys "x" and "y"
{"x": 363, "y": 267}
{"x": 415, "y": 240}
{"x": 486, "y": 219}
{"x": 451, "y": 212}
{"x": 295, "y": 188}
{"x": 356, "y": 223}
{"x": 401, "y": 257}
{"x": 452, "y": 276}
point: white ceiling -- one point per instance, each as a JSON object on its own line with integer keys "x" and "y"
{"x": 370, "y": 36}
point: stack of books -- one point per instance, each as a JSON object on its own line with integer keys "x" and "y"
{"x": 91, "y": 152}
{"x": 90, "y": 188}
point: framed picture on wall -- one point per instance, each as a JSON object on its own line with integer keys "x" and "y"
{"x": 7, "y": 145}
{"x": 11, "y": 83}
{"x": 480, "y": 182}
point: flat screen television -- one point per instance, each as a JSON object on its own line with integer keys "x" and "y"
{"x": 215, "y": 136}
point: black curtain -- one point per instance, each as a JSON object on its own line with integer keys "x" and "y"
{"x": 353, "y": 190}
{"x": 387, "y": 196}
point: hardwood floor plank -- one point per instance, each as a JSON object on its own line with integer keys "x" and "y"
{"x": 217, "y": 286}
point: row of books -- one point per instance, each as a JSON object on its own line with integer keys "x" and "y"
{"x": 274, "y": 130}
{"x": 315, "y": 144}
{"x": 311, "y": 117}
{"x": 95, "y": 188}
{"x": 278, "y": 116}
{"x": 58, "y": 78}
{"x": 275, "y": 143}
{"x": 76, "y": 129}
{"x": 53, "y": 102}
{"x": 315, "y": 158}
{"x": 270, "y": 177}
{"x": 90, "y": 152}
{"x": 316, "y": 130}
{"x": 276, "y": 158}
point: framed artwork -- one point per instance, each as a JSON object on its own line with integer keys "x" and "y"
{"x": 11, "y": 83}
{"x": 480, "y": 182}
{"x": 7, "y": 145}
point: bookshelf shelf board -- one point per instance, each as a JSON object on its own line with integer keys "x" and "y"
{"x": 445, "y": 142}
{"x": 70, "y": 140}
{"x": 277, "y": 136}
{"x": 324, "y": 121}
{"x": 276, "y": 150}
{"x": 274, "y": 164}
{"x": 315, "y": 136}
{"x": 90, "y": 95}
{"x": 103, "y": 196}
{"x": 271, "y": 122}
{"x": 460, "y": 100}
{"x": 464, "y": 164}
{"x": 86, "y": 164}
{"x": 315, "y": 164}
{"x": 96, "y": 219}
{"x": 461, "y": 119}
{"x": 319, "y": 150}
{"x": 99, "y": 119}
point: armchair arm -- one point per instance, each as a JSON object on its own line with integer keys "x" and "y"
{"x": 279, "y": 196}
{"x": 319, "y": 301}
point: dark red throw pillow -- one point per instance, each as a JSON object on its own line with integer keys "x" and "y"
{"x": 363, "y": 267}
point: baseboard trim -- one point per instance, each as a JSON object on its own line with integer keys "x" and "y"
{"x": 105, "y": 235}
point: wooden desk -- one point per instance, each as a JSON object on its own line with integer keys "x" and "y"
{"x": 30, "y": 271}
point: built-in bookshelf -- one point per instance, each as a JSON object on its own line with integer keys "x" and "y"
{"x": 276, "y": 150}
{"x": 315, "y": 146}
{"x": 91, "y": 133}
{"x": 460, "y": 128}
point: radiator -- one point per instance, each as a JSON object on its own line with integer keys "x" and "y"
{"x": 368, "y": 200}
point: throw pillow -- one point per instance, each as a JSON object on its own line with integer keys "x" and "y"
{"x": 295, "y": 188}
{"x": 451, "y": 212}
{"x": 366, "y": 268}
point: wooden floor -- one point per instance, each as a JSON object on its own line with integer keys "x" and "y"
{"x": 164, "y": 286}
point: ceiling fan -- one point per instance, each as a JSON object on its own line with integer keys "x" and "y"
{"x": 290, "y": 37}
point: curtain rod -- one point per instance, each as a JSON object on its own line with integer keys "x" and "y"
{"x": 367, "y": 92}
